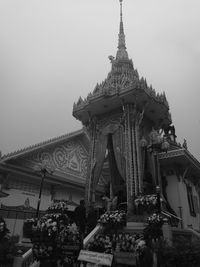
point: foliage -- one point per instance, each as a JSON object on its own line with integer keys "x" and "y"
{"x": 182, "y": 254}
{"x": 7, "y": 244}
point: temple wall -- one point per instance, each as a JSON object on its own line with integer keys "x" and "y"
{"x": 18, "y": 197}
{"x": 177, "y": 197}
{"x": 15, "y": 226}
{"x": 69, "y": 194}
{"x": 173, "y": 193}
{"x": 189, "y": 220}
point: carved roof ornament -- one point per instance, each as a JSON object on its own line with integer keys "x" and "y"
{"x": 121, "y": 52}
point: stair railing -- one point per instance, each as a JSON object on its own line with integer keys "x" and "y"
{"x": 24, "y": 260}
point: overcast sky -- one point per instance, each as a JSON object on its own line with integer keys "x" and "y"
{"x": 53, "y": 51}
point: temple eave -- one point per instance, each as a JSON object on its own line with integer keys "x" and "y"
{"x": 155, "y": 110}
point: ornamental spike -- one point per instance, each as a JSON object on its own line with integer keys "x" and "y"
{"x": 121, "y": 52}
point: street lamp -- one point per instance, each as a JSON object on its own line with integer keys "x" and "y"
{"x": 44, "y": 170}
{"x": 157, "y": 144}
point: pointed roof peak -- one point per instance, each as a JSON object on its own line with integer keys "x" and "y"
{"x": 121, "y": 52}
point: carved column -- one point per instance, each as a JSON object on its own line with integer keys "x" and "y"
{"x": 130, "y": 182}
{"x": 133, "y": 157}
{"x": 138, "y": 121}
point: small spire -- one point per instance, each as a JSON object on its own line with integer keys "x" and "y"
{"x": 121, "y": 52}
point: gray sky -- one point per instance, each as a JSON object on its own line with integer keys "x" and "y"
{"x": 53, "y": 51}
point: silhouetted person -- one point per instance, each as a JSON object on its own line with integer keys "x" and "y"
{"x": 80, "y": 217}
{"x": 145, "y": 257}
{"x": 91, "y": 219}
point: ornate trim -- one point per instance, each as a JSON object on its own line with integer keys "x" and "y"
{"x": 171, "y": 154}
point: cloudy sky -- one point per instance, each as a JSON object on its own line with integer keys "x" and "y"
{"x": 53, "y": 51}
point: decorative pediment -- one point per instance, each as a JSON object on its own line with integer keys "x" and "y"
{"x": 68, "y": 157}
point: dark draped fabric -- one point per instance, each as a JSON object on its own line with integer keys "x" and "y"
{"x": 117, "y": 138}
{"x": 116, "y": 179}
{"x": 149, "y": 173}
{"x": 116, "y": 159}
{"x": 151, "y": 165}
{"x": 100, "y": 156}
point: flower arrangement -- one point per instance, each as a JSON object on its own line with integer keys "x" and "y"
{"x": 113, "y": 218}
{"x": 47, "y": 228}
{"x": 146, "y": 200}
{"x": 69, "y": 235}
{"x": 111, "y": 243}
{"x": 156, "y": 218}
{"x": 52, "y": 236}
{"x": 60, "y": 206}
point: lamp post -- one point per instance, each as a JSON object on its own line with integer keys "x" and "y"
{"x": 157, "y": 144}
{"x": 44, "y": 170}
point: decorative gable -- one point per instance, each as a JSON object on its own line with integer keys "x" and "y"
{"x": 68, "y": 157}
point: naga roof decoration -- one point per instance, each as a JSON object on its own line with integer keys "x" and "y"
{"x": 51, "y": 141}
{"x": 122, "y": 84}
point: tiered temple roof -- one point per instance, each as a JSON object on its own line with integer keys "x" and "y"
{"x": 123, "y": 85}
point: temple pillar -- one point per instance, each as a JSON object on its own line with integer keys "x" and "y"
{"x": 133, "y": 154}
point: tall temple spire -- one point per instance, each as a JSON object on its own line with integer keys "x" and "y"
{"x": 121, "y": 52}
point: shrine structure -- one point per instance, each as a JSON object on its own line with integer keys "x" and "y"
{"x": 119, "y": 113}
{"x": 126, "y": 148}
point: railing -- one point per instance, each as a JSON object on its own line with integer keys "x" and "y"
{"x": 168, "y": 214}
{"x": 195, "y": 234}
{"x": 24, "y": 260}
{"x": 91, "y": 235}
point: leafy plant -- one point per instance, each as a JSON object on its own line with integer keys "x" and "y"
{"x": 181, "y": 254}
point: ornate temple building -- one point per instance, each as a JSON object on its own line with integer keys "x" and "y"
{"x": 126, "y": 148}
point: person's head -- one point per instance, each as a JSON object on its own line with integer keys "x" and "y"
{"x": 82, "y": 202}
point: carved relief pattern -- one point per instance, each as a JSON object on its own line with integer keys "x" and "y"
{"x": 138, "y": 122}
{"x": 129, "y": 159}
{"x": 70, "y": 157}
{"x": 111, "y": 118}
{"x": 134, "y": 156}
{"x": 133, "y": 119}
